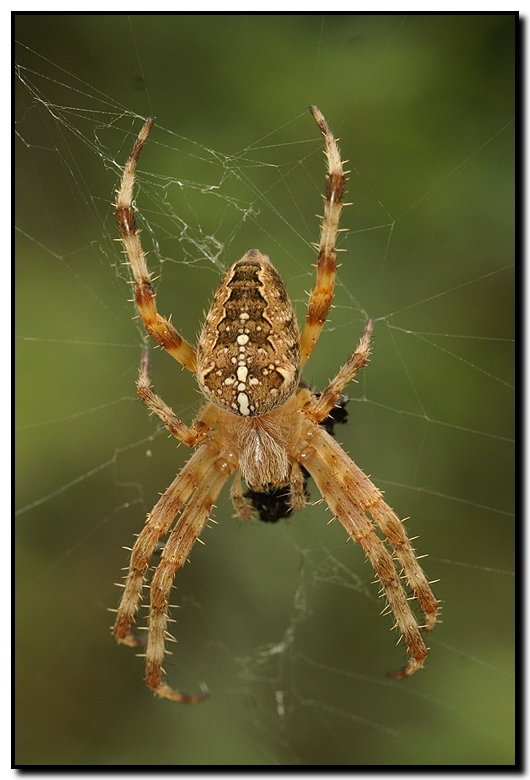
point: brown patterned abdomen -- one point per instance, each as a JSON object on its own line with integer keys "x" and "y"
{"x": 248, "y": 355}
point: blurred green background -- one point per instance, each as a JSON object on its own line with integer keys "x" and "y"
{"x": 281, "y": 622}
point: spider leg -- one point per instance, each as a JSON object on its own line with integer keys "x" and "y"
{"x": 371, "y": 500}
{"x": 158, "y": 523}
{"x": 175, "y": 553}
{"x": 350, "y": 494}
{"x": 297, "y": 494}
{"x": 243, "y": 510}
{"x": 160, "y": 329}
{"x": 191, "y": 436}
{"x": 394, "y": 531}
{"x": 320, "y": 407}
{"x": 322, "y": 295}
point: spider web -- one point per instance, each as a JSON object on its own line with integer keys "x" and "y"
{"x": 281, "y": 622}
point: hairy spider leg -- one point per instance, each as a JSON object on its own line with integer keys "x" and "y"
{"x": 350, "y": 495}
{"x": 158, "y": 523}
{"x": 159, "y": 327}
{"x": 175, "y": 553}
{"x": 322, "y": 294}
{"x": 189, "y": 435}
{"x": 320, "y": 407}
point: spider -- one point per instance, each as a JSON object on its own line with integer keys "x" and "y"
{"x": 261, "y": 424}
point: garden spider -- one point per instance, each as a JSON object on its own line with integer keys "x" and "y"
{"x": 260, "y": 423}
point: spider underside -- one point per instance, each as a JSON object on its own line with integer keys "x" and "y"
{"x": 259, "y": 424}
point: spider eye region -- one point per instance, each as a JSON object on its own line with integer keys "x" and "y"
{"x": 248, "y": 354}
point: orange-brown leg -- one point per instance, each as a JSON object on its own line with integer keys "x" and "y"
{"x": 176, "y": 551}
{"x": 355, "y": 482}
{"x": 243, "y": 509}
{"x": 322, "y": 295}
{"x": 189, "y": 435}
{"x": 158, "y": 523}
{"x": 320, "y": 407}
{"x": 350, "y": 494}
{"x": 159, "y": 328}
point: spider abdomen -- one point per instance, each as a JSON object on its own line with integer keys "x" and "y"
{"x": 248, "y": 355}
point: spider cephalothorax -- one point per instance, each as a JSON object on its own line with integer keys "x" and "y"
{"x": 261, "y": 424}
{"x": 275, "y": 503}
